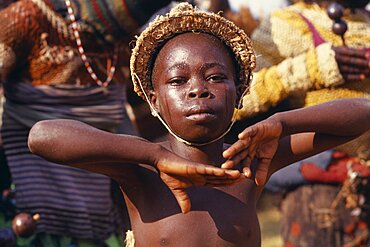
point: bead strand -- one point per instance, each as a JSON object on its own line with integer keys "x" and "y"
{"x": 112, "y": 67}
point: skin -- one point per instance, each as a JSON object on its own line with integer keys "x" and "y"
{"x": 158, "y": 181}
{"x": 353, "y": 64}
{"x": 182, "y": 92}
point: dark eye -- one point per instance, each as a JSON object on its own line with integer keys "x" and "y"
{"x": 216, "y": 78}
{"x": 177, "y": 81}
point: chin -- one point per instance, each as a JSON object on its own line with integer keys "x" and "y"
{"x": 202, "y": 136}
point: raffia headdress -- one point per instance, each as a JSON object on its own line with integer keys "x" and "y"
{"x": 181, "y": 19}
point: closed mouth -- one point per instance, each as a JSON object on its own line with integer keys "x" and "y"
{"x": 198, "y": 113}
{"x": 199, "y": 110}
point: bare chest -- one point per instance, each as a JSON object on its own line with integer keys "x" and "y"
{"x": 223, "y": 216}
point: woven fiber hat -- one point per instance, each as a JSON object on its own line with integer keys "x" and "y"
{"x": 181, "y": 19}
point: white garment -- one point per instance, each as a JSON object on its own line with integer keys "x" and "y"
{"x": 259, "y": 8}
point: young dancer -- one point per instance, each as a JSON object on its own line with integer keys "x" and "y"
{"x": 192, "y": 67}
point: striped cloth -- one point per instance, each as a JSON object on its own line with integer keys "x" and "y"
{"x": 71, "y": 202}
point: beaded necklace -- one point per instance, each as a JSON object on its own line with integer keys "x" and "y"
{"x": 111, "y": 66}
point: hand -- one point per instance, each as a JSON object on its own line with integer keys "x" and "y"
{"x": 259, "y": 141}
{"x": 178, "y": 174}
{"x": 354, "y": 64}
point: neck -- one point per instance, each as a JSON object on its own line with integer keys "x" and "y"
{"x": 210, "y": 154}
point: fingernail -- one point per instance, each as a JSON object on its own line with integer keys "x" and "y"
{"x": 247, "y": 174}
{"x": 256, "y": 181}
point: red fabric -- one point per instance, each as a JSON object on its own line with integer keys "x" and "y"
{"x": 337, "y": 170}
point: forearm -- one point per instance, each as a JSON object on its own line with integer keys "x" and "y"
{"x": 343, "y": 117}
{"x": 77, "y": 144}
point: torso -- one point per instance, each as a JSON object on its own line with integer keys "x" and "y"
{"x": 222, "y": 216}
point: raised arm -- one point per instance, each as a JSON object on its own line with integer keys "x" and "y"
{"x": 314, "y": 129}
{"x": 79, "y": 145}
{"x": 290, "y": 136}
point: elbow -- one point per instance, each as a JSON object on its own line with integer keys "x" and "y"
{"x": 37, "y": 138}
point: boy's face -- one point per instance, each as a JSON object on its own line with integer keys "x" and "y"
{"x": 194, "y": 88}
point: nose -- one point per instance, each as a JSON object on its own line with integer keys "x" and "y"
{"x": 199, "y": 90}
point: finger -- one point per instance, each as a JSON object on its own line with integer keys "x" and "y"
{"x": 220, "y": 182}
{"x": 234, "y": 174}
{"x": 352, "y": 70}
{"x": 228, "y": 164}
{"x": 354, "y": 61}
{"x": 246, "y": 167}
{"x": 214, "y": 171}
{"x": 226, "y": 177}
{"x": 209, "y": 171}
{"x": 353, "y": 77}
{"x": 252, "y": 151}
{"x": 237, "y": 147}
{"x": 236, "y": 159}
{"x": 248, "y": 132}
{"x": 346, "y": 51}
{"x": 227, "y": 174}
{"x": 182, "y": 199}
{"x": 262, "y": 171}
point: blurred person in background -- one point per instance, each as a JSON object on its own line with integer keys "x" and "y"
{"x": 259, "y": 9}
{"x": 242, "y": 16}
{"x": 302, "y": 62}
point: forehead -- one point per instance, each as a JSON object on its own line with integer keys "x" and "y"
{"x": 192, "y": 48}
{"x": 195, "y": 39}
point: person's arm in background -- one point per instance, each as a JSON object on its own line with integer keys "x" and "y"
{"x": 288, "y": 63}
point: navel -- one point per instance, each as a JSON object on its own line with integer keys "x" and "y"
{"x": 164, "y": 242}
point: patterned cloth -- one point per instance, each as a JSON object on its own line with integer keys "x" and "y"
{"x": 44, "y": 78}
{"x": 296, "y": 66}
{"x": 308, "y": 219}
{"x": 321, "y": 205}
{"x": 70, "y": 201}
{"x": 292, "y": 66}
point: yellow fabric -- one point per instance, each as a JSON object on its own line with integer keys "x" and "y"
{"x": 326, "y": 94}
{"x": 270, "y": 88}
{"x": 282, "y": 40}
{"x": 313, "y": 69}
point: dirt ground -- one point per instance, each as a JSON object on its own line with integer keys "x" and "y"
{"x": 269, "y": 217}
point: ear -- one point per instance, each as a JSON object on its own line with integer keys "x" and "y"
{"x": 154, "y": 102}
